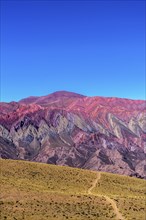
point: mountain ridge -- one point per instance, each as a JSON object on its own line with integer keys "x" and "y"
{"x": 65, "y": 128}
{"x": 75, "y": 94}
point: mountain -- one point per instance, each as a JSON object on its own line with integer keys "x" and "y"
{"x": 65, "y": 128}
{"x": 39, "y": 191}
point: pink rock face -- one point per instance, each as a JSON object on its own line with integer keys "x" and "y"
{"x": 65, "y": 128}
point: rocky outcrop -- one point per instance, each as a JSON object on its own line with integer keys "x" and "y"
{"x": 106, "y": 134}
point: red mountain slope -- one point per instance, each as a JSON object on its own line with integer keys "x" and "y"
{"x": 65, "y": 128}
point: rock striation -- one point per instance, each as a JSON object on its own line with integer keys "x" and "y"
{"x": 65, "y": 128}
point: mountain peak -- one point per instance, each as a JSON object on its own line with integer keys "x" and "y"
{"x": 50, "y": 97}
{"x": 66, "y": 93}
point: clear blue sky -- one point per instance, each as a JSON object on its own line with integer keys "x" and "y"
{"x": 88, "y": 47}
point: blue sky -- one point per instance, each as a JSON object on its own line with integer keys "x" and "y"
{"x": 96, "y": 48}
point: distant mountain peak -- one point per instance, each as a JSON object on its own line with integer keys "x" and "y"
{"x": 46, "y": 98}
{"x": 66, "y": 93}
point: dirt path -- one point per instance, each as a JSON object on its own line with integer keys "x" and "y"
{"x": 115, "y": 208}
{"x": 108, "y": 199}
{"x": 94, "y": 183}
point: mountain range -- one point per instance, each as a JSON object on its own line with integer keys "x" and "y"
{"x": 65, "y": 128}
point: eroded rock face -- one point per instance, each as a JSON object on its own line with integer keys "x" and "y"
{"x": 106, "y": 134}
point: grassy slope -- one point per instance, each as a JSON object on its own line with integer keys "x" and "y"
{"x": 40, "y": 191}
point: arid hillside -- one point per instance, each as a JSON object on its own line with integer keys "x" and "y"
{"x": 37, "y": 191}
{"x": 64, "y": 128}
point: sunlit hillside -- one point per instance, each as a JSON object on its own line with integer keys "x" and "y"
{"x": 35, "y": 191}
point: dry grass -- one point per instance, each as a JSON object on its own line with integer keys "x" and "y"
{"x": 120, "y": 186}
{"x": 35, "y": 191}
